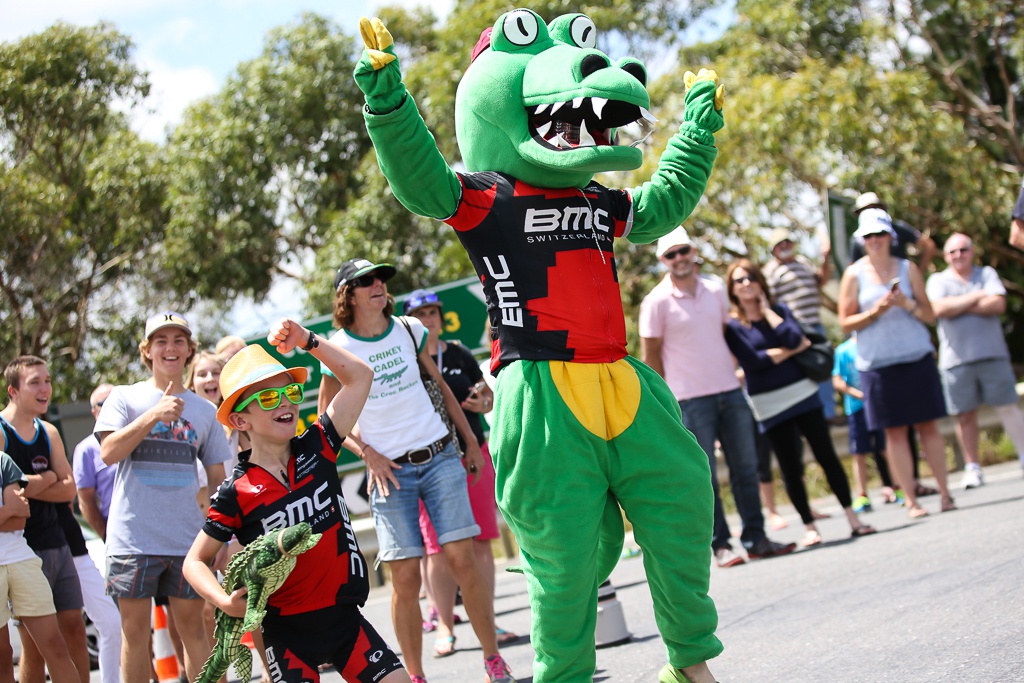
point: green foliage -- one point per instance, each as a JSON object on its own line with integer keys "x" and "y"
{"x": 816, "y": 100}
{"x": 81, "y": 197}
{"x": 261, "y": 166}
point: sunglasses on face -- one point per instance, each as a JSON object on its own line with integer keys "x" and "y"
{"x": 742, "y": 280}
{"x": 424, "y": 300}
{"x": 961, "y": 250}
{"x": 271, "y": 398}
{"x": 365, "y": 280}
{"x": 681, "y": 251}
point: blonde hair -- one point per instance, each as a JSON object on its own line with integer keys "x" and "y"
{"x": 227, "y": 341}
{"x": 190, "y": 375}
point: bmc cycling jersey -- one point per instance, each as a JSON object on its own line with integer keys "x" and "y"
{"x": 252, "y": 502}
{"x": 545, "y": 260}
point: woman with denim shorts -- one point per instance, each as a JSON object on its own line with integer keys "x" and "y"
{"x": 410, "y": 456}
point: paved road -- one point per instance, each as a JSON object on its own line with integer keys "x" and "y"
{"x": 938, "y": 599}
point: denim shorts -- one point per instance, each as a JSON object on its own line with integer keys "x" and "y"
{"x": 441, "y": 484}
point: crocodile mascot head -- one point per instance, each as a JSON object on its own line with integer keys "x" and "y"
{"x": 543, "y": 104}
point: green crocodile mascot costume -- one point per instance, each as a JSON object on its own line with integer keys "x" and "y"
{"x": 579, "y": 427}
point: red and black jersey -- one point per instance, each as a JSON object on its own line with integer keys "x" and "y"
{"x": 252, "y": 502}
{"x": 547, "y": 267}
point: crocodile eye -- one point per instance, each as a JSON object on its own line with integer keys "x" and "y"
{"x": 520, "y": 27}
{"x": 583, "y": 32}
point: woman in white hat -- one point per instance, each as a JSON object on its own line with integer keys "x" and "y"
{"x": 882, "y": 298}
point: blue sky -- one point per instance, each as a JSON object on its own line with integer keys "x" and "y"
{"x": 188, "y": 46}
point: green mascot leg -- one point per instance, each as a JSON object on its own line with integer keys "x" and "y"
{"x": 557, "y": 484}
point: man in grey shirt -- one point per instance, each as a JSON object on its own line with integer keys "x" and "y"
{"x": 973, "y": 357}
{"x": 156, "y": 431}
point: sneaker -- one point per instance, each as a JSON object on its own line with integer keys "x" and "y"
{"x": 727, "y": 557}
{"x": 861, "y": 504}
{"x": 972, "y": 477}
{"x": 497, "y": 670}
{"x": 769, "y": 548}
{"x": 901, "y": 498}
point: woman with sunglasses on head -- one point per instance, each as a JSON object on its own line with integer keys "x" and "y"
{"x": 764, "y": 337}
{"x": 410, "y": 456}
{"x": 882, "y": 298}
{"x": 464, "y": 377}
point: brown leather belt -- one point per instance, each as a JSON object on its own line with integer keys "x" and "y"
{"x": 421, "y": 456}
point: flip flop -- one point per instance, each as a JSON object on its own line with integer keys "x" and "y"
{"x": 444, "y": 647}
{"x": 504, "y": 637}
{"x": 948, "y": 505}
{"x": 863, "y": 530}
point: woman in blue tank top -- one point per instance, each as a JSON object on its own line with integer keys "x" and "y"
{"x": 882, "y": 299}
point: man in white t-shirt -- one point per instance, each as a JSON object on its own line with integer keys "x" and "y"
{"x": 973, "y": 357}
{"x": 155, "y": 431}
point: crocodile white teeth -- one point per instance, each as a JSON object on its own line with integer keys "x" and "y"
{"x": 543, "y": 129}
{"x": 577, "y": 102}
{"x": 586, "y": 139}
{"x": 555, "y": 106}
{"x": 648, "y": 115}
{"x": 598, "y": 104}
{"x": 541, "y": 108}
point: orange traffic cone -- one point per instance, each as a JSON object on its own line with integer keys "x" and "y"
{"x": 164, "y": 662}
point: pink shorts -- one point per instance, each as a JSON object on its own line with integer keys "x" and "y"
{"x": 481, "y": 499}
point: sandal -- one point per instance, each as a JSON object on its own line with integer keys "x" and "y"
{"x": 444, "y": 647}
{"x": 916, "y": 512}
{"x": 947, "y": 504}
{"x": 922, "y": 490}
{"x": 863, "y": 530}
{"x": 504, "y": 637}
{"x": 811, "y": 538}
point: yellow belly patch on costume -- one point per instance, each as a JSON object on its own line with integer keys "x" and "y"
{"x": 604, "y": 397}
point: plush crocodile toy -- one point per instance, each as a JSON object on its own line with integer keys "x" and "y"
{"x": 262, "y": 566}
{"x": 579, "y": 426}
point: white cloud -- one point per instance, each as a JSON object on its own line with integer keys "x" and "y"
{"x": 172, "y": 89}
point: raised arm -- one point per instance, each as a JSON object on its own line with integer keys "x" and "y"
{"x": 406, "y": 151}
{"x": 664, "y": 202}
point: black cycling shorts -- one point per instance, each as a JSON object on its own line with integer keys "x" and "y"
{"x": 296, "y": 645}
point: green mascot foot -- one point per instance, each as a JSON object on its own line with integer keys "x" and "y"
{"x": 670, "y": 674}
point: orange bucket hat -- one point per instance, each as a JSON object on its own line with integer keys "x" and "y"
{"x": 247, "y": 367}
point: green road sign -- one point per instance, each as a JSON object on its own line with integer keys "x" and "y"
{"x": 465, "y": 320}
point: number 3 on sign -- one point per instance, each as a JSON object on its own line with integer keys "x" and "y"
{"x": 452, "y": 322}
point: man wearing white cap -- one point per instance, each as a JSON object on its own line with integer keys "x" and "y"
{"x": 155, "y": 431}
{"x": 796, "y": 282}
{"x": 906, "y": 235}
{"x": 682, "y": 323}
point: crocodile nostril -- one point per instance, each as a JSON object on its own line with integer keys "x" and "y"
{"x": 637, "y": 71}
{"x": 592, "y": 63}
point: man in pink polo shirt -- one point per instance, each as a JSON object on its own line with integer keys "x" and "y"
{"x": 682, "y": 322}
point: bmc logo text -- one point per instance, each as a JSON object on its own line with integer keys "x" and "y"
{"x": 572, "y": 218}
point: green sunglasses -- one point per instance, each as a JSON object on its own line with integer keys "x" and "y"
{"x": 271, "y": 398}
